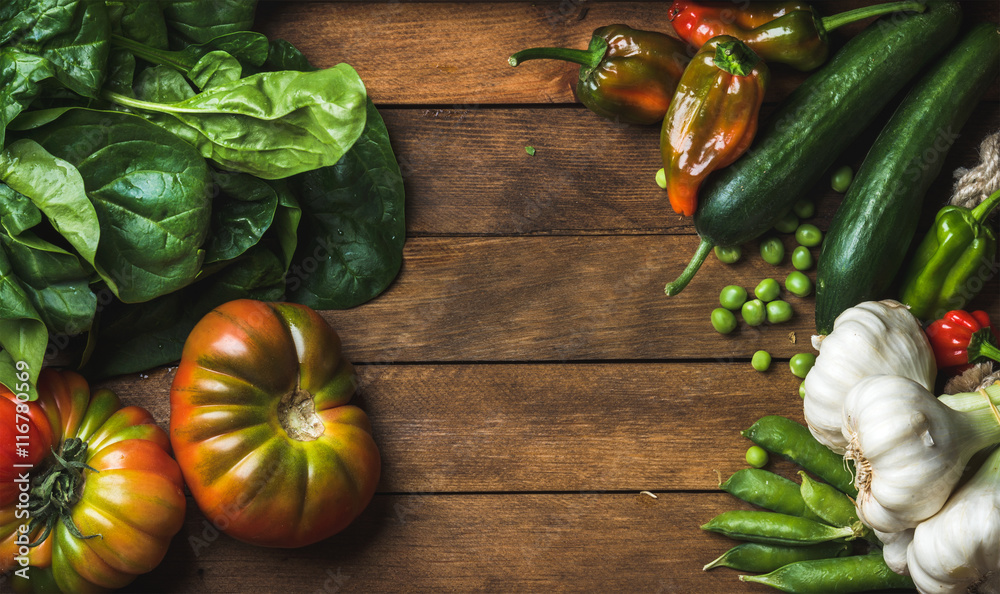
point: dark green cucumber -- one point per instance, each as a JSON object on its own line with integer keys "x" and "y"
{"x": 798, "y": 143}
{"x": 873, "y": 227}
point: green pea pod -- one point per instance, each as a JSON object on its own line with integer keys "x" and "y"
{"x": 753, "y": 556}
{"x": 832, "y": 506}
{"x": 859, "y": 573}
{"x": 768, "y": 490}
{"x": 774, "y": 528}
{"x": 785, "y": 437}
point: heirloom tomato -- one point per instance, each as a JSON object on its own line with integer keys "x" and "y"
{"x": 262, "y": 429}
{"x": 90, "y": 495}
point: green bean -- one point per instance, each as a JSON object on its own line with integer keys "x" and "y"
{"x": 840, "y": 575}
{"x": 761, "y": 558}
{"x": 785, "y": 437}
{"x": 768, "y": 490}
{"x": 774, "y": 528}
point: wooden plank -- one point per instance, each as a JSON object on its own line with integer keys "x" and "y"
{"x": 465, "y": 543}
{"x": 456, "y": 53}
{"x": 466, "y": 172}
{"x": 544, "y": 428}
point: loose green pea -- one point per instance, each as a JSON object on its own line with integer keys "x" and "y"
{"x": 761, "y": 360}
{"x": 787, "y": 223}
{"x": 804, "y": 209}
{"x": 728, "y": 255}
{"x": 773, "y": 528}
{"x": 841, "y": 179}
{"x": 778, "y": 311}
{"x": 772, "y": 250}
{"x": 785, "y": 437}
{"x": 768, "y": 490}
{"x": 753, "y": 312}
{"x": 857, "y": 573}
{"x": 802, "y": 390}
{"x": 801, "y": 363}
{"x": 762, "y": 558}
{"x": 756, "y": 456}
{"x": 732, "y": 297}
{"x": 802, "y": 258}
{"x": 798, "y": 284}
{"x": 767, "y": 290}
{"x": 723, "y": 320}
{"x": 661, "y": 178}
{"x": 808, "y": 235}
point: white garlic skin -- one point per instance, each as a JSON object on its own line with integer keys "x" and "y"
{"x": 895, "y": 546}
{"x": 960, "y": 546}
{"x": 872, "y": 338}
{"x": 909, "y": 450}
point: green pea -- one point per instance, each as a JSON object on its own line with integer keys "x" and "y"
{"x": 723, "y": 320}
{"x": 804, "y": 209}
{"x": 857, "y": 573}
{"x": 728, "y": 255}
{"x": 841, "y": 179}
{"x": 761, "y": 360}
{"x": 827, "y": 502}
{"x": 802, "y": 390}
{"x": 756, "y": 456}
{"x": 772, "y": 250}
{"x": 767, "y": 290}
{"x": 808, "y": 235}
{"x": 801, "y": 363}
{"x": 753, "y": 312}
{"x": 661, "y": 178}
{"x": 785, "y": 437}
{"x": 774, "y": 528}
{"x": 787, "y": 223}
{"x": 798, "y": 284}
{"x": 762, "y": 558}
{"x": 768, "y": 490}
{"x": 778, "y": 311}
{"x": 732, "y": 297}
{"x": 802, "y": 258}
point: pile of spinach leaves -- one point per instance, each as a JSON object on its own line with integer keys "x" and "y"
{"x": 159, "y": 159}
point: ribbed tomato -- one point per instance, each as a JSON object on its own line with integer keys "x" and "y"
{"x": 260, "y": 422}
{"x": 102, "y": 506}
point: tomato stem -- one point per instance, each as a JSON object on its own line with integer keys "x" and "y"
{"x": 55, "y": 491}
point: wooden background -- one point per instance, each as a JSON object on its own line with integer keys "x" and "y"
{"x": 526, "y": 377}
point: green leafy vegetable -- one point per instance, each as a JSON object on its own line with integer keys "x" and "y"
{"x": 198, "y": 21}
{"x": 241, "y": 213}
{"x": 162, "y": 84}
{"x": 139, "y": 20}
{"x": 20, "y": 75}
{"x": 23, "y": 336}
{"x": 272, "y": 124}
{"x": 215, "y": 69}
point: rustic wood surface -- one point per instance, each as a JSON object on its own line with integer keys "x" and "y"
{"x": 526, "y": 377}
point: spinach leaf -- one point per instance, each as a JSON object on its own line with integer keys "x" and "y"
{"x": 56, "y": 188}
{"x": 198, "y": 21}
{"x": 23, "y": 336}
{"x": 71, "y": 34}
{"x": 352, "y": 232}
{"x": 248, "y": 47}
{"x": 162, "y": 84}
{"x": 20, "y": 75}
{"x": 150, "y": 192}
{"x": 215, "y": 69}
{"x": 17, "y": 213}
{"x": 241, "y": 213}
{"x": 121, "y": 72}
{"x": 139, "y": 20}
{"x": 272, "y": 124}
{"x": 282, "y": 55}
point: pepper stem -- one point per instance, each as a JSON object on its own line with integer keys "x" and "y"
{"x": 858, "y": 14}
{"x": 735, "y": 58}
{"x": 692, "y": 268}
{"x": 984, "y": 209}
{"x": 981, "y": 347}
{"x": 589, "y": 57}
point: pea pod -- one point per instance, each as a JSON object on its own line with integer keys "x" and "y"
{"x": 783, "y": 436}
{"x": 774, "y": 528}
{"x": 753, "y": 556}
{"x": 768, "y": 490}
{"x": 859, "y": 573}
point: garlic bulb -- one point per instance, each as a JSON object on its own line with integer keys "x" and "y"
{"x": 958, "y": 550}
{"x": 894, "y": 548}
{"x": 872, "y": 338}
{"x": 909, "y": 449}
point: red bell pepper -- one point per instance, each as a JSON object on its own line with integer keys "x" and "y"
{"x": 961, "y": 339}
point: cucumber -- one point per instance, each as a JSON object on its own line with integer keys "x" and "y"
{"x": 873, "y": 227}
{"x": 811, "y": 128}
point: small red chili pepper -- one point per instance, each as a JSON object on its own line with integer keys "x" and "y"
{"x": 960, "y": 339}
